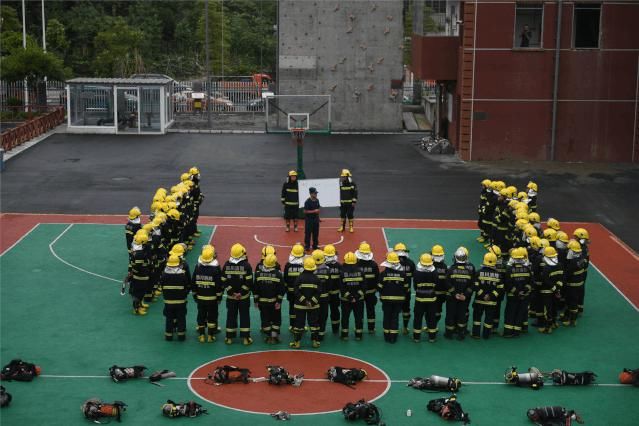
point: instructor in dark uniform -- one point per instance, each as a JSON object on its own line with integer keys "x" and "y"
{"x": 311, "y": 220}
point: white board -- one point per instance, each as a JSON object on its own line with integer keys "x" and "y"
{"x": 327, "y": 191}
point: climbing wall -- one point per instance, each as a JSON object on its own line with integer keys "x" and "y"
{"x": 351, "y": 50}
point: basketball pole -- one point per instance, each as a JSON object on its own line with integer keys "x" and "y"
{"x": 300, "y": 158}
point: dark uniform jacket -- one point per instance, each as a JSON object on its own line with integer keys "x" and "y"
{"x": 335, "y": 277}
{"x": 460, "y": 278}
{"x": 307, "y": 291}
{"x": 290, "y": 193}
{"x": 393, "y": 285}
{"x": 129, "y": 232}
{"x": 237, "y": 278}
{"x": 347, "y": 191}
{"x": 176, "y": 284}
{"x": 291, "y": 272}
{"x": 140, "y": 263}
{"x": 518, "y": 280}
{"x": 442, "y": 287}
{"x": 425, "y": 282}
{"x": 575, "y": 272}
{"x": 268, "y": 287}
{"x": 552, "y": 277}
{"x": 489, "y": 284}
{"x": 371, "y": 275}
{"x": 207, "y": 282}
{"x": 323, "y": 273}
{"x": 352, "y": 283}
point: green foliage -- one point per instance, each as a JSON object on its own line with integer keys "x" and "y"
{"x": 9, "y": 20}
{"x": 12, "y": 41}
{"x": 219, "y": 37}
{"x": 118, "y": 50}
{"x": 33, "y": 65}
{"x": 56, "y": 38}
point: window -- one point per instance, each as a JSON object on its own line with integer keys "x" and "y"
{"x": 586, "y": 25}
{"x": 528, "y": 25}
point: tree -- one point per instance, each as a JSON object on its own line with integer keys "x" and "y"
{"x": 56, "y": 38}
{"x": 9, "y": 21}
{"x": 118, "y": 50}
{"x": 219, "y": 36}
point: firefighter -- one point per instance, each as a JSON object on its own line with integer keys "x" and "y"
{"x": 158, "y": 254}
{"x": 562, "y": 252}
{"x": 553, "y": 223}
{"x": 425, "y": 280}
{"x": 536, "y": 309}
{"x": 502, "y": 219}
{"x": 575, "y": 274}
{"x": 552, "y": 276}
{"x": 460, "y": 278}
{"x": 393, "y": 287}
{"x": 268, "y": 292}
{"x": 292, "y": 270}
{"x": 535, "y": 220}
{"x": 500, "y": 266}
{"x": 409, "y": 267}
{"x": 488, "y": 289}
{"x": 197, "y": 195}
{"x": 311, "y": 220}
{"x": 180, "y": 251}
{"x": 550, "y": 235}
{"x": 438, "y": 255}
{"x": 532, "y": 196}
{"x": 484, "y": 220}
{"x": 266, "y": 250}
{"x": 132, "y": 226}
{"x": 175, "y": 283}
{"x": 207, "y": 292}
{"x": 306, "y": 302}
{"x": 518, "y": 281}
{"x": 583, "y": 237}
{"x": 347, "y": 200}
{"x": 139, "y": 271}
{"x": 291, "y": 200}
{"x": 323, "y": 273}
{"x": 371, "y": 277}
{"x": 334, "y": 285}
{"x": 174, "y": 226}
{"x": 352, "y": 295}
{"x": 237, "y": 278}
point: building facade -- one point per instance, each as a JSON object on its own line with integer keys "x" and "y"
{"x": 538, "y": 80}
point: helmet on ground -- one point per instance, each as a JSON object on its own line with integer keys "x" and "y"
{"x": 392, "y": 257}
{"x": 364, "y": 248}
{"x": 437, "y": 250}
{"x": 173, "y": 260}
{"x": 318, "y": 256}
{"x": 426, "y": 259}
{"x": 350, "y": 258}
{"x": 345, "y": 172}
{"x": 550, "y": 234}
{"x": 194, "y": 171}
{"x": 207, "y": 255}
{"x": 550, "y": 252}
{"x": 309, "y": 264}
{"x": 266, "y": 250}
{"x": 297, "y": 250}
{"x": 461, "y": 254}
{"x": 270, "y": 260}
{"x": 574, "y": 246}
{"x": 553, "y": 224}
{"x": 400, "y": 247}
{"x": 486, "y": 183}
{"x": 329, "y": 250}
{"x": 134, "y": 213}
{"x": 490, "y": 259}
{"x": 237, "y": 251}
{"x": 581, "y": 234}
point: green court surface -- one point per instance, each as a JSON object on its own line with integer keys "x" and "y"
{"x": 73, "y": 323}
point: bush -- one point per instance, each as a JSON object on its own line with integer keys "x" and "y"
{"x": 14, "y": 102}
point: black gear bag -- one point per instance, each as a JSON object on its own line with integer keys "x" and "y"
{"x": 448, "y": 409}
{"x": 564, "y": 378}
{"x": 120, "y": 374}
{"x": 346, "y": 376}
{"x": 229, "y": 374}
{"x": 5, "y": 397}
{"x": 362, "y": 410}
{"x": 20, "y": 371}
{"x": 94, "y": 409}
{"x": 279, "y": 376}
{"x": 553, "y": 416}
{"x": 182, "y": 409}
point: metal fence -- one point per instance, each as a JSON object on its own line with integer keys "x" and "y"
{"x": 12, "y": 94}
{"x": 228, "y": 94}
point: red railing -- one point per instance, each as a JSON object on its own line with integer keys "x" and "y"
{"x": 31, "y": 129}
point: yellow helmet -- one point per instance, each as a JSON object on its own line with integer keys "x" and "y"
{"x": 329, "y": 250}
{"x": 494, "y": 185}
{"x": 364, "y": 248}
{"x": 553, "y": 223}
{"x": 517, "y": 253}
{"x": 521, "y": 223}
{"x": 148, "y": 227}
{"x": 179, "y": 249}
{"x": 524, "y": 251}
{"x": 173, "y": 214}
{"x": 157, "y": 221}
{"x": 513, "y": 204}
{"x": 550, "y": 234}
{"x": 550, "y": 252}
{"x": 345, "y": 172}
{"x": 400, "y": 247}
{"x": 522, "y": 206}
{"x": 208, "y": 255}
{"x": 490, "y": 259}
{"x": 189, "y": 184}
{"x": 141, "y": 238}
{"x": 535, "y": 242}
{"x": 185, "y": 177}
{"x": 532, "y": 185}
{"x": 170, "y": 205}
{"x": 237, "y": 251}
{"x": 155, "y": 206}
{"x": 194, "y": 171}
{"x": 543, "y": 243}
{"x": 266, "y": 250}
{"x": 161, "y": 216}
{"x": 161, "y": 191}
{"x": 486, "y": 183}
{"x": 504, "y": 192}
{"x": 297, "y": 250}
{"x": 574, "y": 246}
{"x": 174, "y": 189}
{"x": 173, "y": 260}
{"x": 534, "y": 217}
{"x": 426, "y": 259}
{"x": 270, "y": 260}
{"x": 496, "y": 250}
{"x": 134, "y": 213}
{"x": 521, "y": 215}
{"x": 437, "y": 250}
{"x": 501, "y": 185}
{"x": 522, "y": 195}
{"x": 392, "y": 257}
{"x": 318, "y": 256}
{"x": 530, "y": 231}
{"x": 512, "y": 191}
{"x": 292, "y": 173}
{"x": 158, "y": 198}
{"x": 581, "y": 234}
{"x": 350, "y": 258}
{"x": 563, "y": 237}
{"x": 309, "y": 264}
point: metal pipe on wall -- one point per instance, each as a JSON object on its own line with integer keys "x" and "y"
{"x": 555, "y": 88}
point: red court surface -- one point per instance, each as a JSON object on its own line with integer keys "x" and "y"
{"x": 316, "y": 394}
{"x": 618, "y": 262}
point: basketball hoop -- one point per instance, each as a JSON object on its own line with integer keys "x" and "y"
{"x": 298, "y": 134}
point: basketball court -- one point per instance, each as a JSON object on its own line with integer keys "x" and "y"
{"x": 61, "y": 308}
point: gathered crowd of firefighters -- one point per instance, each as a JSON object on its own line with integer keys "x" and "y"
{"x": 538, "y": 273}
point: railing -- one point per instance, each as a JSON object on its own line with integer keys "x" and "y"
{"x": 440, "y": 24}
{"x": 56, "y": 94}
{"x": 31, "y": 129}
{"x": 227, "y": 95}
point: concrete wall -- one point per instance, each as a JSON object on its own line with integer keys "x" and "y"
{"x": 350, "y": 50}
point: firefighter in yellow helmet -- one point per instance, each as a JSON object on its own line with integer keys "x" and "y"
{"x": 306, "y": 304}
{"x": 552, "y": 281}
{"x": 425, "y": 280}
{"x": 393, "y": 287}
{"x": 292, "y": 270}
{"x": 207, "y": 291}
{"x": 291, "y": 200}
{"x": 237, "y": 278}
{"x": 334, "y": 285}
{"x": 532, "y": 196}
{"x": 322, "y": 271}
{"x": 518, "y": 286}
{"x": 488, "y": 289}
{"x": 266, "y": 250}
{"x": 409, "y": 268}
{"x": 132, "y": 226}
{"x": 139, "y": 271}
{"x": 575, "y": 274}
{"x": 370, "y": 269}
{"x": 485, "y": 209}
{"x": 268, "y": 292}
{"x": 352, "y": 294}
{"x": 347, "y": 199}
{"x": 176, "y": 284}
{"x": 583, "y": 237}
{"x": 197, "y": 196}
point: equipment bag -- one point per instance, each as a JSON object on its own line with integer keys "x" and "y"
{"x": 229, "y": 374}
{"x": 5, "y": 397}
{"x": 553, "y": 416}
{"x": 533, "y": 379}
{"x": 448, "y": 409}
{"x": 629, "y": 377}
{"x": 362, "y": 410}
{"x": 94, "y": 409}
{"x": 20, "y": 371}
{"x": 159, "y": 375}
{"x": 119, "y": 374}
{"x": 435, "y": 383}
{"x": 346, "y": 376}
{"x": 182, "y": 409}
{"x": 279, "y": 376}
{"x": 564, "y": 378}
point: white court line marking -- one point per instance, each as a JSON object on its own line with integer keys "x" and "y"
{"x": 615, "y": 287}
{"x": 20, "y": 239}
{"x": 624, "y": 246}
{"x": 387, "y": 380}
{"x": 73, "y": 266}
{"x": 385, "y": 239}
{"x": 341, "y": 240}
